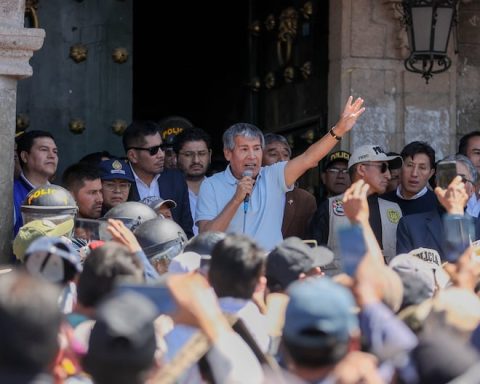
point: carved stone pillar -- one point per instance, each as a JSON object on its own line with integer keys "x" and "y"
{"x": 17, "y": 45}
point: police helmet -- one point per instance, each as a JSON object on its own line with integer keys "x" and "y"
{"x": 50, "y": 202}
{"x": 161, "y": 239}
{"x": 204, "y": 243}
{"x": 132, "y": 213}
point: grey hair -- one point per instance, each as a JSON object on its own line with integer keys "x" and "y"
{"x": 241, "y": 129}
{"x": 275, "y": 138}
{"x": 465, "y": 160}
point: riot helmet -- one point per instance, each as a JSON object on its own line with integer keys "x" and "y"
{"x": 50, "y": 202}
{"x": 132, "y": 213}
{"x": 161, "y": 240}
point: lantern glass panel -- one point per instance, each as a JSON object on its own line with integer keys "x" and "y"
{"x": 421, "y": 28}
{"x": 442, "y": 29}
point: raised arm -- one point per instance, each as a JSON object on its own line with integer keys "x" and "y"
{"x": 318, "y": 150}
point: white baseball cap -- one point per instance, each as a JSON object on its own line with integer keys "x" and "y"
{"x": 373, "y": 153}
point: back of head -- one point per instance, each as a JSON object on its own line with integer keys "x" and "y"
{"x": 132, "y": 213}
{"x": 319, "y": 322}
{"x": 26, "y": 141}
{"x": 75, "y": 176}
{"x": 105, "y": 267}
{"x": 122, "y": 346}
{"x": 161, "y": 239}
{"x": 241, "y": 129}
{"x": 30, "y": 321}
{"x": 236, "y": 265}
{"x": 134, "y": 135}
{"x": 95, "y": 158}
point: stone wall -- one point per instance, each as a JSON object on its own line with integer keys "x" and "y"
{"x": 468, "y": 70}
{"x": 367, "y": 50}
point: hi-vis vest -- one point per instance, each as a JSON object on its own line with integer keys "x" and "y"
{"x": 390, "y": 214}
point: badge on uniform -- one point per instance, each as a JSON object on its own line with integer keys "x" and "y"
{"x": 393, "y": 215}
{"x": 337, "y": 206}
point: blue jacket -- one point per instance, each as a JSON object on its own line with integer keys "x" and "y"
{"x": 21, "y": 188}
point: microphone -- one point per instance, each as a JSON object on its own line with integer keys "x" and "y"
{"x": 246, "y": 200}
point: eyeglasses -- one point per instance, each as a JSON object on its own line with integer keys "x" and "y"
{"x": 152, "y": 151}
{"x": 336, "y": 171}
{"x": 383, "y": 166}
{"x": 465, "y": 180}
{"x": 123, "y": 187}
{"x": 192, "y": 154}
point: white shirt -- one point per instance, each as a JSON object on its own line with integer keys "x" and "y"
{"x": 145, "y": 190}
{"x": 192, "y": 198}
{"x": 422, "y": 192}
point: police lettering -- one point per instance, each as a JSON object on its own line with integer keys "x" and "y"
{"x": 171, "y": 131}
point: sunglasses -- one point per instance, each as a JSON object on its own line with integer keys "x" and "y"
{"x": 383, "y": 166}
{"x": 152, "y": 151}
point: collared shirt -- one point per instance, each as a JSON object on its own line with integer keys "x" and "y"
{"x": 265, "y": 212}
{"x": 192, "y": 198}
{"x": 145, "y": 190}
{"x": 422, "y": 192}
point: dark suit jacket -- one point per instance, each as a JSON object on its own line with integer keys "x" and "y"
{"x": 172, "y": 185}
{"x": 424, "y": 230}
{"x": 300, "y": 205}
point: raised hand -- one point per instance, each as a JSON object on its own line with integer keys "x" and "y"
{"x": 454, "y": 198}
{"x": 355, "y": 203}
{"x": 351, "y": 112}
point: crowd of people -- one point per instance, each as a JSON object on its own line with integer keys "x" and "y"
{"x": 146, "y": 268}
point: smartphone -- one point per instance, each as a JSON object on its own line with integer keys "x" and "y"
{"x": 158, "y": 294}
{"x": 459, "y": 234}
{"x": 446, "y": 172}
{"x": 90, "y": 229}
{"x": 351, "y": 247}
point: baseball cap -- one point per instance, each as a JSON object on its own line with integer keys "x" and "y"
{"x": 156, "y": 202}
{"x": 336, "y": 156}
{"x": 320, "y": 313}
{"x": 38, "y": 228}
{"x": 420, "y": 279}
{"x": 120, "y": 341}
{"x": 44, "y": 258}
{"x": 113, "y": 169}
{"x": 373, "y": 153}
{"x": 184, "y": 263}
{"x": 292, "y": 257}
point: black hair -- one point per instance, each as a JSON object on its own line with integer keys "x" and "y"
{"x": 315, "y": 357}
{"x": 25, "y": 142}
{"x": 190, "y": 134}
{"x": 30, "y": 321}
{"x": 96, "y": 157}
{"x": 236, "y": 265}
{"x": 103, "y": 268}
{"x": 416, "y": 147}
{"x": 134, "y": 135}
{"x": 463, "y": 144}
{"x": 75, "y": 175}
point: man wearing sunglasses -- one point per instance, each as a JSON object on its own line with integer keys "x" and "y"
{"x": 371, "y": 164}
{"x": 145, "y": 152}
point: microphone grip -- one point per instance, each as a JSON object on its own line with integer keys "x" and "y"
{"x": 246, "y": 202}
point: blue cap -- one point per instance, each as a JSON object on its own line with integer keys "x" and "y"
{"x": 116, "y": 169}
{"x": 319, "y": 313}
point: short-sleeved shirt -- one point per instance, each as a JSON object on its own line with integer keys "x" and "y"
{"x": 265, "y": 212}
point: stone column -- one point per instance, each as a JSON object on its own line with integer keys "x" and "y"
{"x": 17, "y": 45}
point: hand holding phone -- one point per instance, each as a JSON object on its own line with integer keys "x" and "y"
{"x": 446, "y": 172}
{"x": 459, "y": 234}
{"x": 351, "y": 247}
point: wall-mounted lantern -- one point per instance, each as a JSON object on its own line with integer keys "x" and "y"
{"x": 428, "y": 24}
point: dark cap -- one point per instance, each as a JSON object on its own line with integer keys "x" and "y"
{"x": 120, "y": 340}
{"x": 114, "y": 169}
{"x": 171, "y": 126}
{"x": 293, "y": 257}
{"x": 336, "y": 156}
{"x": 157, "y": 202}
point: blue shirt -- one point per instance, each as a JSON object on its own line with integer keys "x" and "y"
{"x": 265, "y": 212}
{"x": 21, "y": 188}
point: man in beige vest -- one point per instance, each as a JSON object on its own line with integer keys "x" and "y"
{"x": 370, "y": 163}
